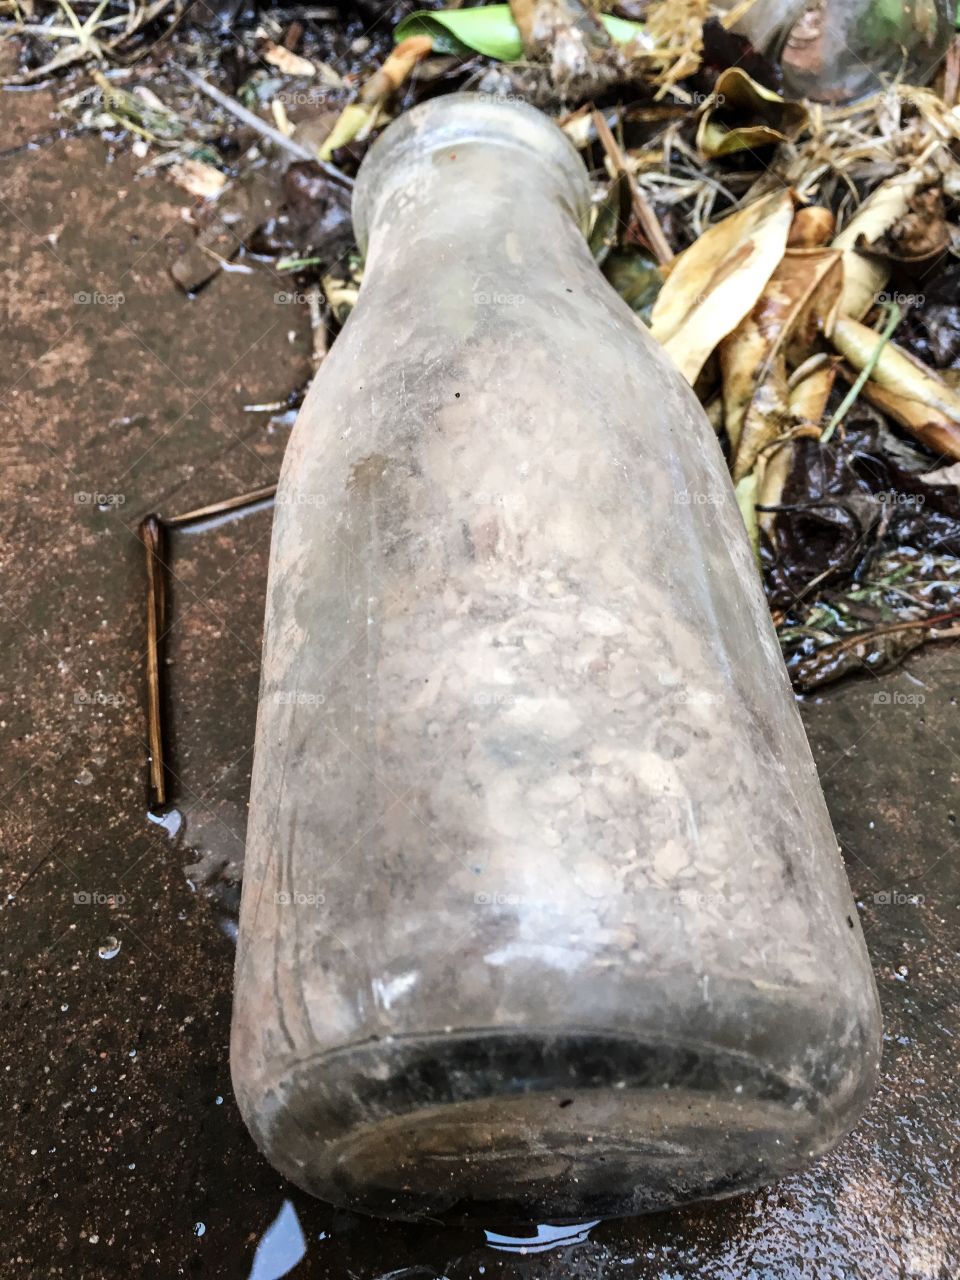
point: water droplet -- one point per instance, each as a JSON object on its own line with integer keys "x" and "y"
{"x": 199, "y": 1228}
{"x": 108, "y": 948}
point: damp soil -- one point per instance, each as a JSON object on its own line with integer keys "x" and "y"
{"x": 122, "y": 1148}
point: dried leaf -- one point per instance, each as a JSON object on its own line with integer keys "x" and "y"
{"x": 776, "y": 467}
{"x": 359, "y": 118}
{"x": 714, "y": 283}
{"x": 809, "y": 394}
{"x": 740, "y": 114}
{"x": 198, "y": 178}
{"x": 798, "y": 302}
{"x": 864, "y": 277}
{"x": 746, "y": 491}
{"x": 901, "y": 386}
{"x": 812, "y": 226}
{"x": 291, "y": 64}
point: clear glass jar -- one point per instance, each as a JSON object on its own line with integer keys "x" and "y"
{"x": 542, "y": 906}
{"x": 835, "y": 51}
{"x": 839, "y": 50}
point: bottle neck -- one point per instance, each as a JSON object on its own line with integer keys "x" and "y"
{"x": 483, "y": 207}
{"x": 494, "y": 185}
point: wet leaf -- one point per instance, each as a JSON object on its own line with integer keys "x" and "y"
{"x": 490, "y": 30}
{"x": 714, "y": 283}
{"x": 876, "y": 649}
{"x": 843, "y": 502}
{"x": 931, "y": 329}
{"x": 636, "y": 277}
{"x": 866, "y": 550}
{"x": 611, "y": 218}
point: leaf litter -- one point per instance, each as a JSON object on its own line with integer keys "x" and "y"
{"x": 798, "y": 258}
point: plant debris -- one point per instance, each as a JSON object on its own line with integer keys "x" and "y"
{"x": 798, "y": 259}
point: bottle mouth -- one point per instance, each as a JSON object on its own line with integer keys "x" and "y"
{"x": 463, "y": 120}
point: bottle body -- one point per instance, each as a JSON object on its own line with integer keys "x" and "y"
{"x": 541, "y": 905}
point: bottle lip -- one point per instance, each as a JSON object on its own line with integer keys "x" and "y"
{"x": 457, "y": 119}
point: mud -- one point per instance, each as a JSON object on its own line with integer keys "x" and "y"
{"x": 123, "y": 1151}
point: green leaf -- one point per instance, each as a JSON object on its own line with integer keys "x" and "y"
{"x": 489, "y": 30}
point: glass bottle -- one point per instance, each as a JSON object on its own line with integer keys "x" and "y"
{"x": 835, "y": 51}
{"x": 542, "y": 907}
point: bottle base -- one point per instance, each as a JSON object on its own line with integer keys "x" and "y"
{"x": 534, "y": 1125}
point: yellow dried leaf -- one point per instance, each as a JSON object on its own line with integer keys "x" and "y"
{"x": 798, "y": 302}
{"x": 910, "y": 392}
{"x": 714, "y": 283}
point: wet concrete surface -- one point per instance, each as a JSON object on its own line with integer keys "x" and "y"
{"x": 123, "y": 1151}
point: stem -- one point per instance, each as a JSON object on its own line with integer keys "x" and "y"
{"x": 893, "y": 319}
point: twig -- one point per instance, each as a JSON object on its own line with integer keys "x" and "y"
{"x": 846, "y": 404}
{"x": 268, "y": 131}
{"x": 645, "y": 215}
{"x": 889, "y": 629}
{"x": 200, "y": 514}
{"x": 152, "y": 536}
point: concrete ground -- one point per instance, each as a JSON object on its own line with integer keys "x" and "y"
{"x": 121, "y": 1143}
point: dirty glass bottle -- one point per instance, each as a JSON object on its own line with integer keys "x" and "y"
{"x": 543, "y": 914}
